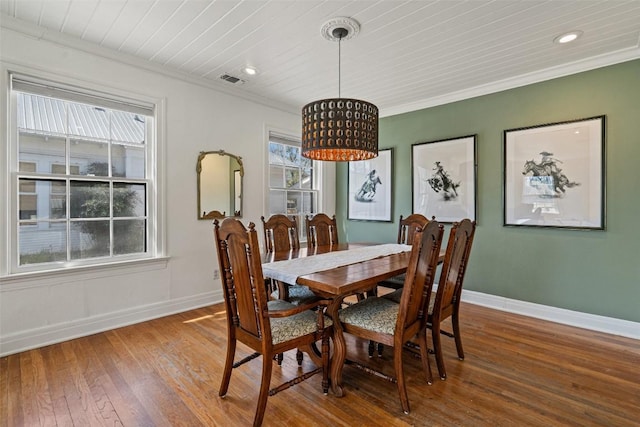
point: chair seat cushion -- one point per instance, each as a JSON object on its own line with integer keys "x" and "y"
{"x": 290, "y": 327}
{"x": 297, "y": 294}
{"x": 396, "y": 295}
{"x": 374, "y": 314}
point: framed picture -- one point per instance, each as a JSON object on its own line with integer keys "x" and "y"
{"x": 370, "y": 187}
{"x": 554, "y": 175}
{"x": 444, "y": 178}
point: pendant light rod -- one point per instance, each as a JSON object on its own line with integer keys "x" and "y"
{"x": 339, "y": 33}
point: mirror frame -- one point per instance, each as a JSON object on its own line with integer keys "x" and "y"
{"x": 214, "y": 214}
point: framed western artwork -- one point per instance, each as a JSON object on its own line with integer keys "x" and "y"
{"x": 444, "y": 178}
{"x": 554, "y": 175}
{"x": 370, "y": 187}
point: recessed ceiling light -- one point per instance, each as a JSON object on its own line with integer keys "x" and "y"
{"x": 567, "y": 37}
{"x": 250, "y": 71}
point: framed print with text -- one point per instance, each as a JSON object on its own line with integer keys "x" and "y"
{"x": 444, "y": 178}
{"x": 370, "y": 187}
{"x": 554, "y": 175}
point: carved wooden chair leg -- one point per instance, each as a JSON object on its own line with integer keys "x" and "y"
{"x": 299, "y": 357}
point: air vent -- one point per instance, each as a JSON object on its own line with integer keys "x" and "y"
{"x": 231, "y": 79}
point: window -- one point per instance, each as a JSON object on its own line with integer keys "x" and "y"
{"x": 293, "y": 181}
{"x": 83, "y": 177}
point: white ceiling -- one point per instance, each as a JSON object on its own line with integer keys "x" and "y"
{"x": 408, "y": 54}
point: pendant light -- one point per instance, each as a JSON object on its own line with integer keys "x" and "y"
{"x": 340, "y": 129}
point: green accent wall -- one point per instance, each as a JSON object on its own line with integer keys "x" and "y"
{"x": 589, "y": 271}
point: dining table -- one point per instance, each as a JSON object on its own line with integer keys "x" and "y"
{"x": 356, "y": 269}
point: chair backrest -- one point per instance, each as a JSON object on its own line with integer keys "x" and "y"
{"x": 245, "y": 295}
{"x": 280, "y": 233}
{"x": 409, "y": 226}
{"x": 321, "y": 230}
{"x": 419, "y": 277}
{"x": 454, "y": 267}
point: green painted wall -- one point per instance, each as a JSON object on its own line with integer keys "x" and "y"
{"x": 594, "y": 272}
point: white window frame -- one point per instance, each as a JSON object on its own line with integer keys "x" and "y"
{"x": 318, "y": 171}
{"x": 154, "y": 166}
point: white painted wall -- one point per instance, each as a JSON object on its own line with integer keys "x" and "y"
{"x": 43, "y": 308}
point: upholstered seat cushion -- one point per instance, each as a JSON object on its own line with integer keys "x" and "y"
{"x": 297, "y": 294}
{"x": 396, "y": 295}
{"x": 290, "y": 327}
{"x": 374, "y": 314}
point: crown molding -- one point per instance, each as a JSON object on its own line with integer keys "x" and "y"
{"x": 587, "y": 64}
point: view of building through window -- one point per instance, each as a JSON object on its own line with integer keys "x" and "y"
{"x": 82, "y": 181}
{"x": 293, "y": 187}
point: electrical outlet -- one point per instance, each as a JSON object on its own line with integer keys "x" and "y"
{"x": 216, "y": 274}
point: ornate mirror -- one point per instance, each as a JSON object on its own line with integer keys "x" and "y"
{"x": 219, "y": 184}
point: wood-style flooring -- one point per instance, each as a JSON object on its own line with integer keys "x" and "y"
{"x": 518, "y": 371}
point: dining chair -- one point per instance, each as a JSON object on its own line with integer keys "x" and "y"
{"x": 267, "y": 327}
{"x": 447, "y": 298}
{"x": 446, "y": 302}
{"x": 384, "y": 321}
{"x": 321, "y": 230}
{"x": 407, "y": 228}
{"x": 281, "y": 235}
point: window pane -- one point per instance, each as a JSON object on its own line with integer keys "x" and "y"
{"x": 292, "y": 155}
{"x": 292, "y": 178}
{"x": 89, "y": 199}
{"x": 43, "y": 149}
{"x": 276, "y": 176}
{"x": 42, "y": 242}
{"x": 277, "y": 201}
{"x": 129, "y": 236}
{"x": 91, "y": 156}
{"x": 127, "y": 161}
{"x": 276, "y": 153}
{"x": 127, "y": 127}
{"x": 28, "y": 206}
{"x": 128, "y": 199}
{"x": 27, "y": 185}
{"x": 307, "y": 179}
{"x": 294, "y": 202}
{"x": 90, "y": 239}
{"x": 41, "y": 114}
{"x": 88, "y": 121}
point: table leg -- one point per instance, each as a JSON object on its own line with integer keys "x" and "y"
{"x": 340, "y": 348}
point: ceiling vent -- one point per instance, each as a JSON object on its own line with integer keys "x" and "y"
{"x": 231, "y": 79}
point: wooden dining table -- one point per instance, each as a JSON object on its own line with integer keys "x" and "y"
{"x": 338, "y": 283}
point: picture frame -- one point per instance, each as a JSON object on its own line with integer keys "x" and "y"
{"x": 370, "y": 186}
{"x": 554, "y": 175}
{"x": 444, "y": 178}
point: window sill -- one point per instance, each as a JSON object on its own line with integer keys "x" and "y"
{"x": 48, "y": 277}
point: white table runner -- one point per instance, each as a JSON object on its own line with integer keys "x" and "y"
{"x": 288, "y": 271}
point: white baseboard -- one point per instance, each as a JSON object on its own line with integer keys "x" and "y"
{"x": 53, "y": 334}
{"x": 593, "y": 322}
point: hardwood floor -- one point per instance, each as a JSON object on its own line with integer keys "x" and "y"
{"x": 518, "y": 371}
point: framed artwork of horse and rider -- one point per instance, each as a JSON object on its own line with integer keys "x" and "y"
{"x": 370, "y": 188}
{"x": 554, "y": 175}
{"x": 444, "y": 178}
